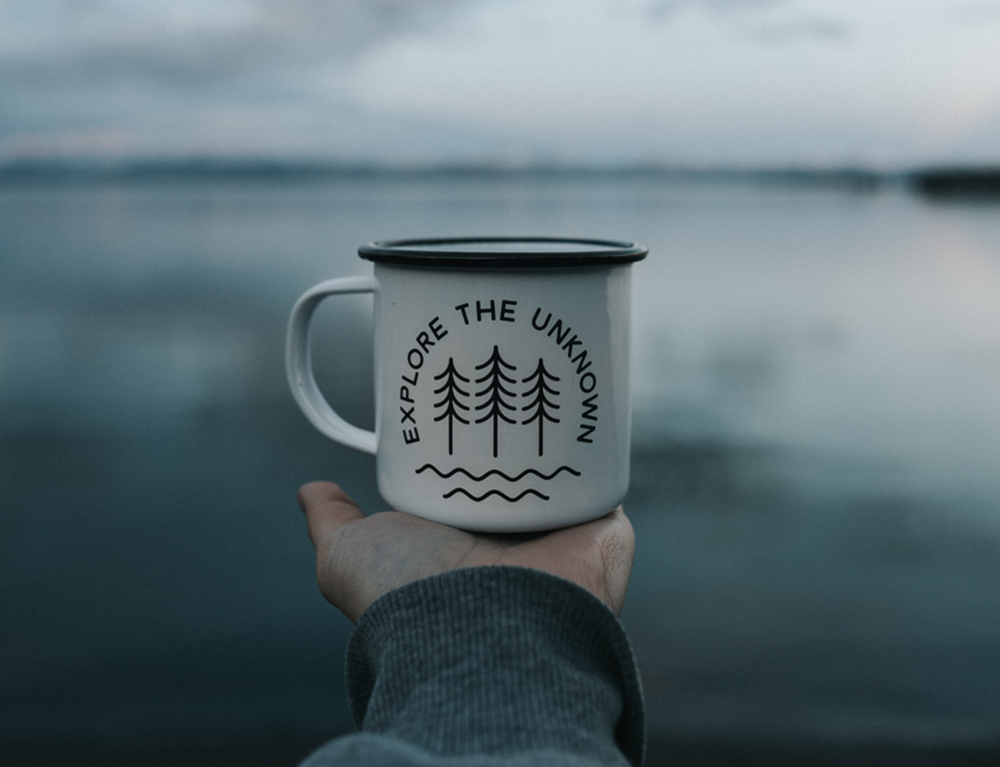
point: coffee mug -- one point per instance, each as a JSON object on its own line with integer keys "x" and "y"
{"x": 502, "y": 399}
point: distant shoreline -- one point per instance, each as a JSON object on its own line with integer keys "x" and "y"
{"x": 940, "y": 182}
{"x": 958, "y": 182}
{"x": 209, "y": 168}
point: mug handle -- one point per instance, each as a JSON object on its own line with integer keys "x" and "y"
{"x": 298, "y": 365}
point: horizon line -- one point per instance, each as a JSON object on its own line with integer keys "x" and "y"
{"x": 931, "y": 179}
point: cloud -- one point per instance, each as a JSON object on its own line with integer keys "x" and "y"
{"x": 185, "y": 42}
{"x": 764, "y": 20}
{"x": 662, "y": 10}
{"x": 739, "y": 80}
{"x": 973, "y": 13}
{"x": 817, "y": 28}
{"x": 77, "y": 73}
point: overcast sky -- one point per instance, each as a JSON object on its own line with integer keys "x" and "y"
{"x": 887, "y": 83}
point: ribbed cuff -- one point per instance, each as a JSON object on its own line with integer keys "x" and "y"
{"x": 497, "y": 660}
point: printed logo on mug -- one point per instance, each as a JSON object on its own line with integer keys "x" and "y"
{"x": 502, "y": 399}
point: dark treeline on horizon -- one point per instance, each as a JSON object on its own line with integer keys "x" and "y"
{"x": 932, "y": 181}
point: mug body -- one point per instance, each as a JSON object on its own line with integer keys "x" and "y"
{"x": 502, "y": 392}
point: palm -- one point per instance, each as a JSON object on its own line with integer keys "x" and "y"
{"x": 359, "y": 558}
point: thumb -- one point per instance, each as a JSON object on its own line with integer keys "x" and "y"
{"x": 328, "y": 510}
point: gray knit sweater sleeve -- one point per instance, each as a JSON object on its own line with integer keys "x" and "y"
{"x": 486, "y": 667}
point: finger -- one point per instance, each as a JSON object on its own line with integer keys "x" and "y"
{"x": 617, "y": 538}
{"x": 624, "y": 529}
{"x": 614, "y": 524}
{"x": 619, "y": 554}
{"x": 610, "y": 543}
{"x": 328, "y": 509}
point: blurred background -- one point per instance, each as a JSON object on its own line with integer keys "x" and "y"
{"x": 816, "y": 488}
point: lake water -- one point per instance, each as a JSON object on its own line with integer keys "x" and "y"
{"x": 815, "y": 470}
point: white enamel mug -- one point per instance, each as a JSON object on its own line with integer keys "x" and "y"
{"x": 502, "y": 399}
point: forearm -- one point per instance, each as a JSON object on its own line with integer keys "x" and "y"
{"x": 497, "y": 665}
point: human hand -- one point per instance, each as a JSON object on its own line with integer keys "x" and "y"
{"x": 359, "y": 558}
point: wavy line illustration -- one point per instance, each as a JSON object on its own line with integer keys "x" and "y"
{"x": 487, "y": 494}
{"x": 496, "y": 472}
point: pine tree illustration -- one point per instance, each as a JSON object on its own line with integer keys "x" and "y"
{"x": 495, "y": 391}
{"x": 450, "y": 402}
{"x": 541, "y": 403}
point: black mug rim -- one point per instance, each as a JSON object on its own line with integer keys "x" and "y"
{"x": 508, "y": 252}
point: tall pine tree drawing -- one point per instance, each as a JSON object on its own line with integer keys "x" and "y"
{"x": 452, "y": 391}
{"x": 495, "y": 391}
{"x": 541, "y": 404}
